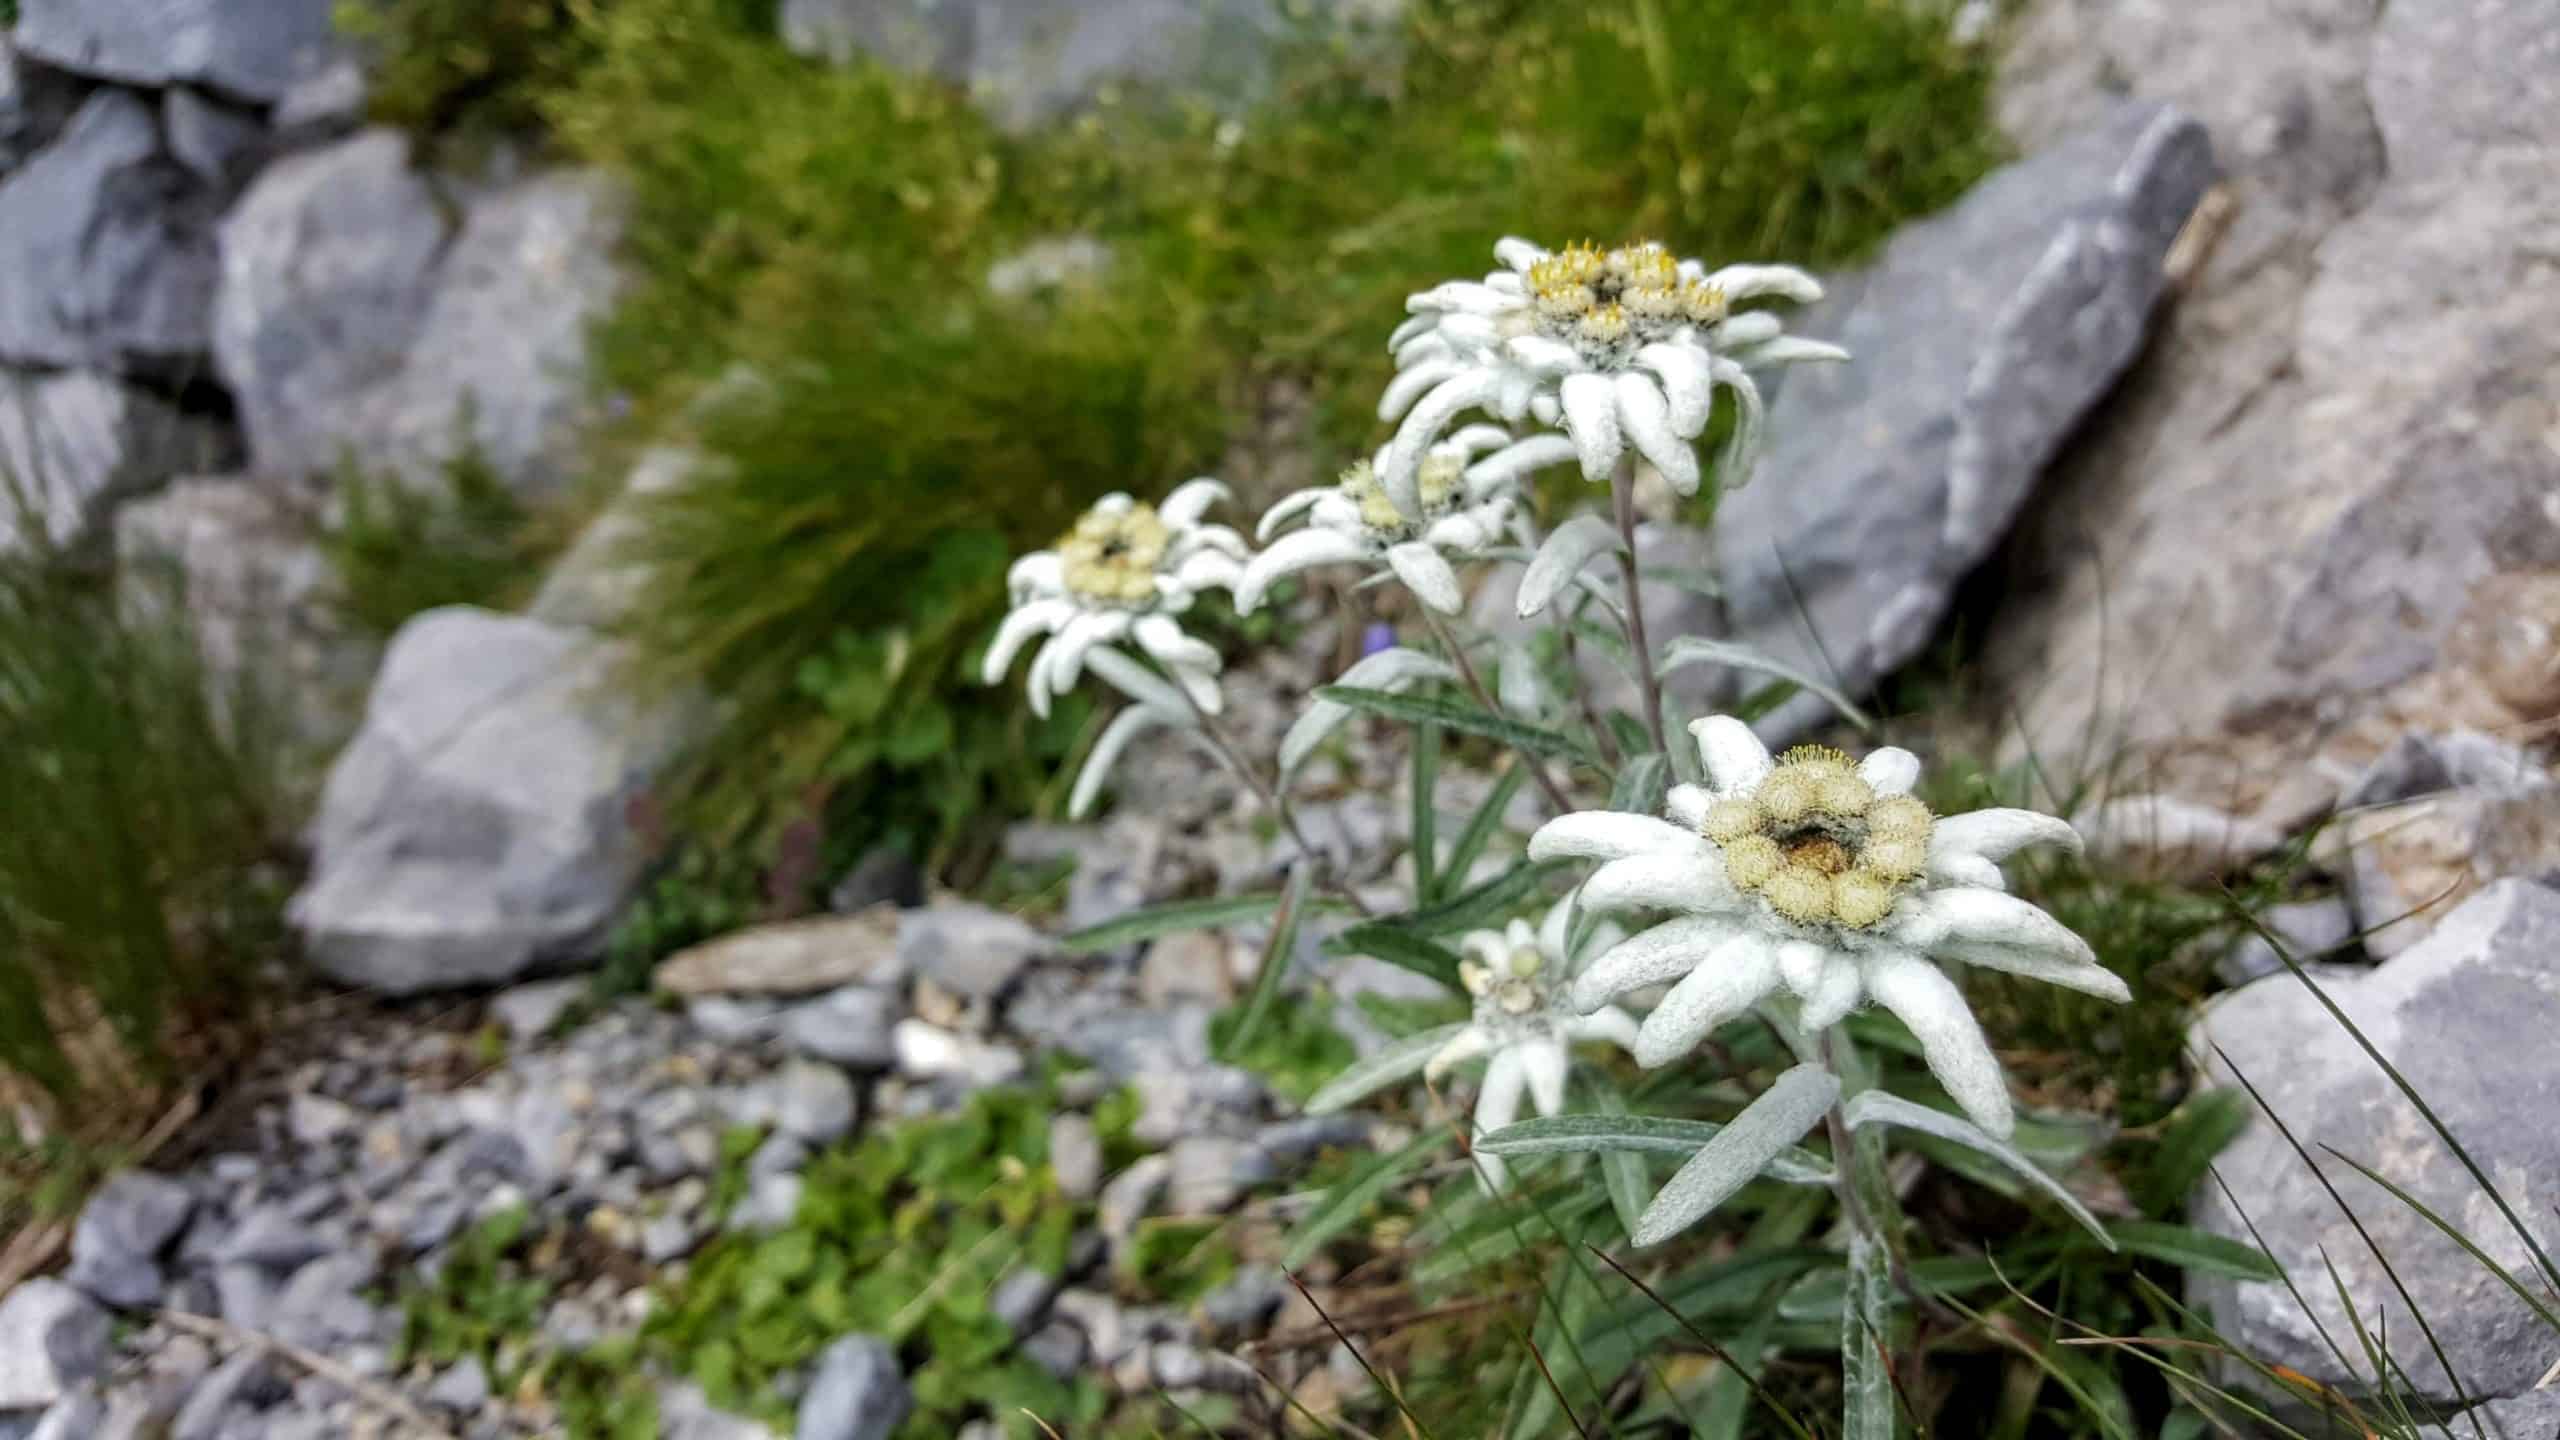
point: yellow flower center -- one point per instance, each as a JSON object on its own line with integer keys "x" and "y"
{"x": 1439, "y": 480}
{"x": 1113, "y": 558}
{"x": 1818, "y": 844}
{"x": 1607, "y": 303}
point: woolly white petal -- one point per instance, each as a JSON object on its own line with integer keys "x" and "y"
{"x": 1289, "y": 507}
{"x": 1545, "y": 406}
{"x": 1037, "y": 618}
{"x": 1930, "y": 1004}
{"x": 1409, "y": 385}
{"x": 1126, "y": 726}
{"x": 1606, "y": 1023}
{"x": 1727, "y": 982}
{"x": 1765, "y": 1128}
{"x": 1164, "y": 641}
{"x": 1517, "y": 253}
{"x": 1457, "y": 295}
{"x": 1800, "y": 965}
{"x": 1190, "y": 500}
{"x": 1516, "y": 395}
{"x": 1687, "y": 805}
{"x": 1744, "y": 282}
{"x": 1498, "y": 1103}
{"x": 1591, "y": 418}
{"x": 1742, "y": 450}
{"x": 1061, "y": 662}
{"x": 1962, "y": 868}
{"x": 1413, "y": 327}
{"x": 1041, "y": 570}
{"x": 1834, "y": 995}
{"x": 1208, "y": 570}
{"x": 1570, "y": 548}
{"x": 1394, "y": 1061}
{"x": 1964, "y": 920}
{"x": 1136, "y": 681}
{"x": 1389, "y": 669}
{"x": 1422, "y": 425}
{"x": 1522, "y": 457}
{"x": 1646, "y": 418}
{"x": 1542, "y": 1062}
{"x": 2000, "y": 833}
{"x": 1303, "y": 550}
{"x": 2086, "y": 976}
{"x": 1202, "y": 685}
{"x": 1467, "y": 331}
{"x": 1686, "y": 386}
{"x": 1890, "y": 770}
{"x": 1470, "y": 441}
{"x": 1555, "y": 928}
{"x": 1734, "y": 757}
{"x": 1674, "y": 947}
{"x": 1694, "y": 884}
{"x": 1757, "y": 327}
{"x": 1469, "y": 532}
{"x": 1470, "y": 1042}
{"x": 1789, "y": 350}
{"x": 1611, "y": 835}
{"x": 1427, "y": 576}
{"x": 1543, "y": 356}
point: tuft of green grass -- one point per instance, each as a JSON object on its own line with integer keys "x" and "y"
{"x": 400, "y": 548}
{"x": 137, "y": 889}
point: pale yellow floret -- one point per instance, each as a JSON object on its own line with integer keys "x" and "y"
{"x": 1702, "y": 303}
{"x": 1860, "y": 898}
{"x": 1899, "y": 815}
{"x": 1730, "y": 819}
{"x": 1800, "y": 893}
{"x": 1525, "y": 962}
{"x": 1751, "y": 860}
{"x": 1786, "y": 796}
{"x": 1518, "y": 997}
{"x": 1114, "y": 557}
{"x": 1437, "y": 479}
{"x": 1603, "y": 325}
{"x": 1847, "y": 794}
{"x": 1477, "y": 979}
{"x": 1896, "y": 857}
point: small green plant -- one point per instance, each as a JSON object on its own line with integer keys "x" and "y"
{"x": 399, "y": 547}
{"x": 485, "y": 1303}
{"x": 1295, "y": 1052}
{"x": 145, "y": 790}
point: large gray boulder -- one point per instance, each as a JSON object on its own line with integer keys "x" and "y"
{"x": 326, "y": 267}
{"x": 252, "y": 49}
{"x": 34, "y": 102}
{"x": 52, "y": 1337}
{"x": 246, "y": 563}
{"x": 73, "y": 443}
{"x": 2319, "y": 513}
{"x": 479, "y": 822}
{"x": 357, "y": 325}
{"x": 108, "y": 245}
{"x": 2467, "y": 1016}
{"x": 1980, "y": 339}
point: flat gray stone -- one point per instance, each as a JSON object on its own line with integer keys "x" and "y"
{"x": 252, "y": 51}
{"x": 685, "y": 1413}
{"x": 1075, "y": 1155}
{"x": 790, "y": 957}
{"x": 109, "y": 246}
{"x": 35, "y": 100}
{"x": 849, "y": 1025}
{"x": 1979, "y": 340}
{"x": 2482, "y": 985}
{"x": 813, "y": 1101}
{"x": 116, "y": 1248}
{"x": 75, "y": 444}
{"x": 529, "y": 1011}
{"x": 478, "y": 824}
{"x": 968, "y": 949}
{"x": 217, "y": 143}
{"x": 858, "y": 1392}
{"x": 52, "y": 1338}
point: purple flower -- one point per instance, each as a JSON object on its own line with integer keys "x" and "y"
{"x": 1379, "y": 636}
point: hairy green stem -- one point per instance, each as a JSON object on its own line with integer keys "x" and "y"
{"x": 1622, "y": 490}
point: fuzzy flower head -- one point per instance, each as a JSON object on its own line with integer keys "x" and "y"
{"x": 1624, "y": 348}
{"x": 1519, "y": 978}
{"x": 1827, "y": 880}
{"x": 1462, "y": 508}
{"x": 1122, "y": 572}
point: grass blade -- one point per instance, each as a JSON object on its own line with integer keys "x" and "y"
{"x": 1460, "y": 716}
{"x": 1347, "y": 1202}
{"x": 1481, "y": 825}
{"x": 1425, "y": 839}
{"x": 1275, "y": 958}
{"x": 1398, "y": 946}
{"x": 1170, "y": 919}
{"x": 1698, "y": 650}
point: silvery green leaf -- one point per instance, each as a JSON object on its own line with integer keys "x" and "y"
{"x": 1698, "y": 650}
{"x": 1641, "y": 784}
{"x": 1394, "y": 1061}
{"x": 1521, "y": 689}
{"x": 1875, "y": 1107}
{"x": 1389, "y": 669}
{"x": 1562, "y": 557}
{"x": 1867, "y": 1403}
{"x": 1766, "y": 1129}
{"x": 1137, "y": 682}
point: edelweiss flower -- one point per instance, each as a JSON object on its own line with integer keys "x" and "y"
{"x": 1123, "y": 572}
{"x": 1625, "y": 347}
{"x": 1828, "y": 880}
{"x": 1460, "y": 511}
{"x": 1517, "y": 976}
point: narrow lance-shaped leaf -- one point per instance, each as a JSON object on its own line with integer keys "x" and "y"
{"x": 1275, "y": 957}
{"x": 1698, "y": 650}
{"x": 1765, "y": 1129}
{"x": 1562, "y": 557}
{"x": 1170, "y": 919}
{"x": 1456, "y": 715}
{"x": 1348, "y": 1200}
{"x": 1397, "y": 1060}
{"x": 1381, "y": 941}
{"x": 1481, "y": 825}
{"x": 1425, "y": 824}
{"x": 1867, "y": 1409}
{"x": 1391, "y": 669}
{"x": 1875, "y": 1107}
{"x": 1649, "y": 1134}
